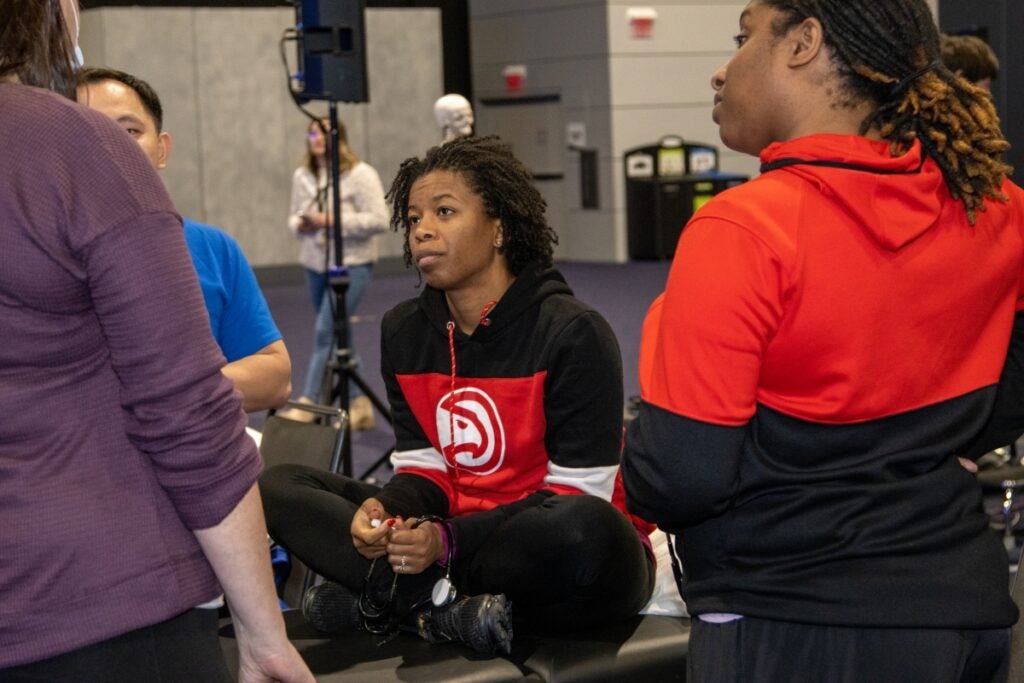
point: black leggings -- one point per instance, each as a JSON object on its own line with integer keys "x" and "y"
{"x": 569, "y": 563}
{"x": 768, "y": 651}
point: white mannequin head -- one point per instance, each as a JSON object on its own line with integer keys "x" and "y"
{"x": 454, "y": 115}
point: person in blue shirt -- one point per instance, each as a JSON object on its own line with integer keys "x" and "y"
{"x": 257, "y": 360}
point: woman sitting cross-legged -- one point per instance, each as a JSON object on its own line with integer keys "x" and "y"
{"x": 506, "y": 393}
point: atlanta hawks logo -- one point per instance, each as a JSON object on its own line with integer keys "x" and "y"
{"x": 479, "y": 443}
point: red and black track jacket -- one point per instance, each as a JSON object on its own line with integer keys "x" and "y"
{"x": 537, "y": 407}
{"x": 830, "y": 338}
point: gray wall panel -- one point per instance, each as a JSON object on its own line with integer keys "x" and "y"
{"x": 682, "y": 27}
{"x": 549, "y": 33}
{"x": 246, "y": 127}
{"x": 237, "y": 135}
{"x": 564, "y": 47}
{"x": 499, "y": 8}
{"x": 661, "y": 85}
{"x": 405, "y": 80}
{"x": 126, "y": 39}
{"x": 627, "y": 91}
{"x": 580, "y": 81}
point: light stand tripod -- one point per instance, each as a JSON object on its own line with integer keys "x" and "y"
{"x": 343, "y": 368}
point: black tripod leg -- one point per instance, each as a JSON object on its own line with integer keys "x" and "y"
{"x": 342, "y": 370}
{"x": 380, "y": 462}
{"x": 340, "y": 373}
{"x": 381, "y": 407}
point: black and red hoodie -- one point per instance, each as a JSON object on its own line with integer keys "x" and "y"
{"x": 831, "y": 337}
{"x": 536, "y": 409}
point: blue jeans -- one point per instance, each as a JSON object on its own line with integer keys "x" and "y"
{"x": 323, "y": 332}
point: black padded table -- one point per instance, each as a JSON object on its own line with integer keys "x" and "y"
{"x": 648, "y": 649}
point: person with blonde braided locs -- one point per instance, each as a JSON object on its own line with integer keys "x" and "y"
{"x": 917, "y": 97}
{"x": 838, "y": 340}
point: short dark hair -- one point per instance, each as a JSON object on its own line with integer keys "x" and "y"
{"x": 148, "y": 97}
{"x": 502, "y": 183}
{"x": 35, "y": 46}
{"x": 969, "y": 55}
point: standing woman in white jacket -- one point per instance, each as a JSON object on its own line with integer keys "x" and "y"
{"x": 364, "y": 215}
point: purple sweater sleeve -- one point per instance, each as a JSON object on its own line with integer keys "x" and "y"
{"x": 180, "y": 410}
{"x": 126, "y": 245}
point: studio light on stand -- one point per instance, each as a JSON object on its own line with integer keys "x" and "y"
{"x": 330, "y": 37}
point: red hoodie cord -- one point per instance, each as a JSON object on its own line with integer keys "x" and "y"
{"x": 485, "y": 321}
{"x": 451, "y": 394}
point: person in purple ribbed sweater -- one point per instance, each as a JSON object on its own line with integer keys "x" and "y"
{"x": 127, "y": 483}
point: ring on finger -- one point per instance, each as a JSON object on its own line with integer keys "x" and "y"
{"x": 402, "y": 565}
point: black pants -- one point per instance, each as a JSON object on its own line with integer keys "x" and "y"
{"x": 769, "y": 651}
{"x": 185, "y": 649}
{"x": 572, "y": 562}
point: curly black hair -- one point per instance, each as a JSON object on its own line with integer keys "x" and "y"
{"x": 502, "y": 182}
{"x": 887, "y": 52}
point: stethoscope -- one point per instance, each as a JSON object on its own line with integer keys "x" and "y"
{"x": 444, "y": 591}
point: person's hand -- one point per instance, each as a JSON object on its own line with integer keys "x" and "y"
{"x": 305, "y": 223}
{"x": 237, "y": 550}
{"x": 371, "y": 541}
{"x": 312, "y": 222}
{"x": 410, "y": 551}
{"x": 278, "y": 662}
{"x": 968, "y": 465}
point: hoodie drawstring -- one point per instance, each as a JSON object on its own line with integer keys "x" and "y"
{"x": 451, "y": 393}
{"x": 485, "y": 321}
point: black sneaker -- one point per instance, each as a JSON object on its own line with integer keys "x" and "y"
{"x": 483, "y": 622}
{"x": 332, "y": 608}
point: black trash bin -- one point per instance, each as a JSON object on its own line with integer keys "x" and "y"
{"x": 665, "y": 184}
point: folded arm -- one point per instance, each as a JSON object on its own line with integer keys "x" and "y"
{"x": 263, "y": 378}
{"x": 1006, "y": 423}
{"x": 679, "y": 471}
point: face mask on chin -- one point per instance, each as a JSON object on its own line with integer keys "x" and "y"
{"x": 78, "y": 58}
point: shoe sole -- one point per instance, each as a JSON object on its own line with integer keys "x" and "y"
{"x": 323, "y": 618}
{"x": 496, "y": 617}
{"x": 504, "y": 626}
